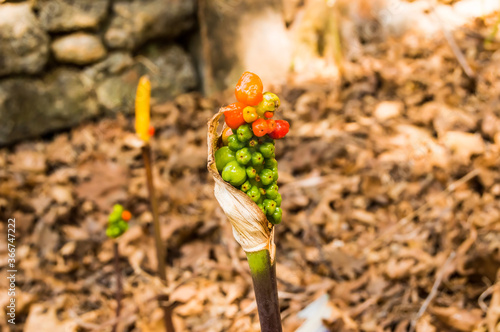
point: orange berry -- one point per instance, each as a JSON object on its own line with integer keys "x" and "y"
{"x": 260, "y": 127}
{"x": 233, "y": 114}
{"x": 225, "y": 135}
{"x": 126, "y": 215}
{"x": 249, "y": 89}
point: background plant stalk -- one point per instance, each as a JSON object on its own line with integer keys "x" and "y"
{"x": 118, "y": 285}
{"x": 160, "y": 251}
{"x": 263, "y": 273}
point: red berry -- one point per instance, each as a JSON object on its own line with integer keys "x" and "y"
{"x": 269, "y": 114}
{"x": 151, "y": 131}
{"x": 282, "y": 128}
{"x": 249, "y": 89}
{"x": 234, "y": 115}
{"x": 260, "y": 127}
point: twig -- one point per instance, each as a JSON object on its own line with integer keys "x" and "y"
{"x": 434, "y": 291}
{"x": 454, "y": 47}
{"x": 484, "y": 295}
{"x": 119, "y": 289}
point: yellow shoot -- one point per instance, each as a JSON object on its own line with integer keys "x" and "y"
{"x": 142, "y": 105}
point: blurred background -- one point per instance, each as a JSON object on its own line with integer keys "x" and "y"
{"x": 390, "y": 175}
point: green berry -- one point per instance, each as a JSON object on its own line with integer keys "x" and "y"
{"x": 262, "y": 191}
{"x": 223, "y": 156}
{"x": 234, "y": 143}
{"x": 271, "y": 163}
{"x": 257, "y": 159}
{"x": 254, "y": 193}
{"x": 123, "y": 225}
{"x": 118, "y": 208}
{"x": 234, "y": 173}
{"x": 269, "y": 206}
{"x": 266, "y": 176}
{"x": 244, "y": 133}
{"x": 267, "y": 150}
{"x": 272, "y": 191}
{"x": 275, "y": 173}
{"x": 251, "y": 172}
{"x": 278, "y": 199}
{"x": 262, "y": 208}
{"x": 243, "y": 156}
{"x": 246, "y": 186}
{"x": 113, "y": 231}
{"x": 276, "y": 216}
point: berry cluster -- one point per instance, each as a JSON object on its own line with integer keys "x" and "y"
{"x": 117, "y": 221}
{"x": 247, "y": 160}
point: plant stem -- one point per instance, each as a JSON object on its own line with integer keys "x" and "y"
{"x": 266, "y": 290}
{"x": 160, "y": 251}
{"x": 118, "y": 285}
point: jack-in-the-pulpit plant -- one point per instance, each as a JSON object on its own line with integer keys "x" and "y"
{"x": 144, "y": 131}
{"x": 242, "y": 161}
{"x": 117, "y": 225}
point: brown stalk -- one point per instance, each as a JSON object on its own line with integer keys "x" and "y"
{"x": 118, "y": 285}
{"x": 160, "y": 251}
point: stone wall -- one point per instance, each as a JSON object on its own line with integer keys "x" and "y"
{"x": 64, "y": 61}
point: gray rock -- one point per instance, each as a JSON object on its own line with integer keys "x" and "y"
{"x": 31, "y": 107}
{"x": 135, "y": 22}
{"x": 78, "y": 48}
{"x": 70, "y": 15}
{"x": 115, "y": 63}
{"x": 171, "y": 73}
{"x": 24, "y": 46}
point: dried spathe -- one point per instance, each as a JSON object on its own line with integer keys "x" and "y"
{"x": 250, "y": 226}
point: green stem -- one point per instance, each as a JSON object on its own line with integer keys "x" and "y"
{"x": 266, "y": 290}
{"x": 160, "y": 251}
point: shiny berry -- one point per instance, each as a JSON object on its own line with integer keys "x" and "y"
{"x": 225, "y": 135}
{"x": 257, "y": 159}
{"x": 250, "y": 114}
{"x": 249, "y": 89}
{"x": 254, "y": 193}
{"x": 282, "y": 128}
{"x": 223, "y": 156}
{"x": 272, "y": 191}
{"x": 243, "y": 156}
{"x": 244, "y": 133}
{"x": 260, "y": 127}
{"x": 267, "y": 150}
{"x": 269, "y": 206}
{"x": 277, "y": 216}
{"x": 233, "y": 114}
{"x": 266, "y": 176}
{"x": 234, "y": 173}
{"x": 234, "y": 143}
